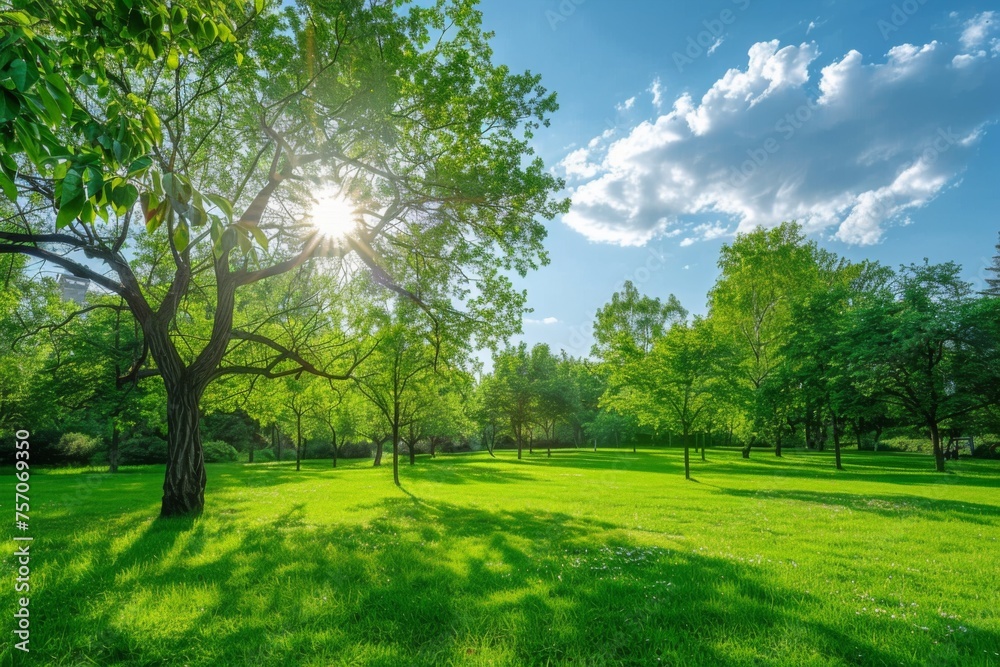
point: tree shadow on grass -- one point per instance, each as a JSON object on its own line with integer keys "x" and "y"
{"x": 427, "y": 584}
{"x": 892, "y": 506}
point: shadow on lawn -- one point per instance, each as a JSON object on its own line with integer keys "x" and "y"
{"x": 893, "y": 506}
{"x": 426, "y": 583}
{"x": 864, "y": 467}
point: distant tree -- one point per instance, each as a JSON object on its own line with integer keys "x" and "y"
{"x": 763, "y": 273}
{"x": 993, "y": 284}
{"x": 673, "y": 385}
{"x": 630, "y": 323}
{"x": 930, "y": 348}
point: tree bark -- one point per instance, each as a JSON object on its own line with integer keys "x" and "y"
{"x": 378, "y": 453}
{"x": 687, "y": 456}
{"x": 413, "y": 454}
{"x": 777, "y": 445}
{"x": 298, "y": 442}
{"x": 938, "y": 451}
{"x": 333, "y": 440}
{"x": 395, "y": 456}
{"x": 184, "y": 483}
{"x": 113, "y": 450}
{"x": 836, "y": 442}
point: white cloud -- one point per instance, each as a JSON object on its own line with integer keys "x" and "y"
{"x": 545, "y": 321}
{"x": 852, "y": 148}
{"x": 657, "y": 91}
{"x": 715, "y": 45}
{"x": 977, "y": 29}
{"x": 627, "y": 104}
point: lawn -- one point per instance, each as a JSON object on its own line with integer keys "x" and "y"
{"x": 583, "y": 558}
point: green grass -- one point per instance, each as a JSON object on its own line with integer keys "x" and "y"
{"x": 585, "y": 558}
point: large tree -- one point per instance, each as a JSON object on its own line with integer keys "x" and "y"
{"x": 218, "y": 123}
{"x": 929, "y": 348}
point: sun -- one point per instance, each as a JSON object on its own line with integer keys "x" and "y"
{"x": 333, "y": 216}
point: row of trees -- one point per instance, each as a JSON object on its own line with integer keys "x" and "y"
{"x": 798, "y": 345}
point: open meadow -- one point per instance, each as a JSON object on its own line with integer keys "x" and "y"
{"x": 582, "y": 558}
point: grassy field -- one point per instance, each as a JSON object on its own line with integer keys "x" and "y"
{"x": 583, "y": 558}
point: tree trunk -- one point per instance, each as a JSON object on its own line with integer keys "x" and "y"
{"x": 938, "y": 452}
{"x": 113, "y": 450}
{"x": 777, "y": 445}
{"x": 413, "y": 454}
{"x": 184, "y": 482}
{"x": 378, "y": 453}
{"x": 276, "y": 440}
{"x": 333, "y": 441}
{"x": 395, "y": 456}
{"x": 703, "y": 447}
{"x": 687, "y": 456}
{"x": 298, "y": 442}
{"x": 836, "y": 443}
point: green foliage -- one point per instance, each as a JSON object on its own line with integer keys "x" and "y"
{"x": 78, "y": 448}
{"x": 217, "y": 451}
{"x": 143, "y": 449}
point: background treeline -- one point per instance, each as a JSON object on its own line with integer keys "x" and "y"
{"x": 799, "y": 348}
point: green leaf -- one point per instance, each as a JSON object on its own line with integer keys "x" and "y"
{"x": 10, "y": 106}
{"x": 181, "y": 238}
{"x": 140, "y": 165}
{"x": 20, "y": 75}
{"x": 173, "y": 58}
{"x": 123, "y": 198}
{"x": 60, "y": 93}
{"x": 258, "y": 235}
{"x": 95, "y": 181}
{"x": 258, "y": 6}
{"x": 72, "y": 188}
{"x": 8, "y": 187}
{"x": 222, "y": 204}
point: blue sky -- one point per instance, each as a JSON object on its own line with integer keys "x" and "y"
{"x": 872, "y": 123}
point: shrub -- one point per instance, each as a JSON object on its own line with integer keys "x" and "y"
{"x": 357, "y": 450}
{"x": 987, "y": 451}
{"x": 77, "y": 447}
{"x": 217, "y": 451}
{"x": 263, "y": 456}
{"x": 142, "y": 449}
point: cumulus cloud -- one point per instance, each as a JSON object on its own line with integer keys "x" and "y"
{"x": 851, "y": 147}
{"x": 978, "y": 29}
{"x": 546, "y": 320}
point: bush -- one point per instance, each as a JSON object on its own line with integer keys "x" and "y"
{"x": 142, "y": 449}
{"x": 987, "y": 451}
{"x": 263, "y": 456}
{"x": 217, "y": 451}
{"x": 357, "y": 450}
{"x": 77, "y": 447}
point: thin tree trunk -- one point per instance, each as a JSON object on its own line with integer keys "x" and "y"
{"x": 413, "y": 455}
{"x": 378, "y": 453}
{"x": 938, "y": 452}
{"x": 687, "y": 456}
{"x": 298, "y": 442}
{"x": 184, "y": 482}
{"x": 777, "y": 445}
{"x": 395, "y": 456}
{"x": 334, "y": 442}
{"x": 703, "y": 448}
{"x": 836, "y": 443}
{"x": 113, "y": 451}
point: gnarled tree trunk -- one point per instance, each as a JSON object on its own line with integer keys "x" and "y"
{"x": 184, "y": 483}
